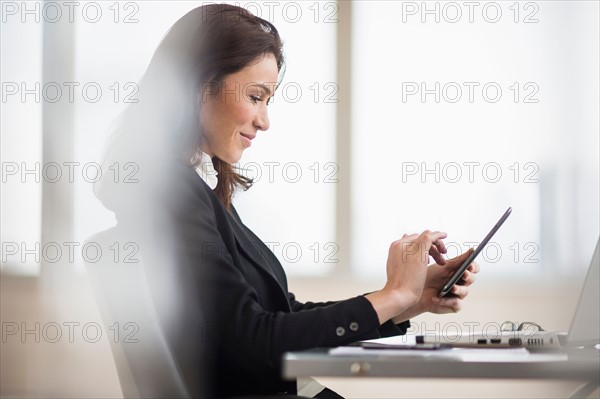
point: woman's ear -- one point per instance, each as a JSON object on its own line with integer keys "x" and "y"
{"x": 208, "y": 90}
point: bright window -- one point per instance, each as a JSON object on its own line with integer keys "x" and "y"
{"x": 461, "y": 110}
{"x": 21, "y": 143}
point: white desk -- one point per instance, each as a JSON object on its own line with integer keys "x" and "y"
{"x": 580, "y": 365}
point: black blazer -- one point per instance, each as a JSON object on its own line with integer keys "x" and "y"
{"x": 248, "y": 316}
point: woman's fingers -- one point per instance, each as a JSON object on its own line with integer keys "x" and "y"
{"x": 428, "y": 242}
{"x": 461, "y": 291}
{"x": 474, "y": 267}
{"x": 462, "y": 257}
{"x": 437, "y": 247}
{"x": 429, "y": 238}
{"x": 436, "y": 254}
{"x": 469, "y": 276}
{"x": 432, "y": 236}
{"x": 440, "y": 246}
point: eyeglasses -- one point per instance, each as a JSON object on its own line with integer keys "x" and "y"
{"x": 525, "y": 326}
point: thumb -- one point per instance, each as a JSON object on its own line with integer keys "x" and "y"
{"x": 455, "y": 262}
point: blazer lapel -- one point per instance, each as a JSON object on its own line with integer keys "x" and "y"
{"x": 250, "y": 247}
{"x": 256, "y": 254}
{"x": 252, "y": 251}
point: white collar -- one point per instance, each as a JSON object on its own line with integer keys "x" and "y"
{"x": 207, "y": 171}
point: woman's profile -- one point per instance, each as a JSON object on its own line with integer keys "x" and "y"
{"x": 222, "y": 296}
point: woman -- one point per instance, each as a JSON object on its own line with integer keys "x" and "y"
{"x": 202, "y": 101}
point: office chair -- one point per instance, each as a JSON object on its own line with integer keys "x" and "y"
{"x": 144, "y": 362}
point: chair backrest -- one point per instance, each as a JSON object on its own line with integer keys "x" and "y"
{"x": 144, "y": 361}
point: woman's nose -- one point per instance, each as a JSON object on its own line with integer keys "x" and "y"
{"x": 261, "y": 122}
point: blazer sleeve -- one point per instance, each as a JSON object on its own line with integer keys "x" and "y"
{"x": 299, "y": 306}
{"x": 387, "y": 329}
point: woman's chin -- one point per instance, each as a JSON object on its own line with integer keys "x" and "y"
{"x": 232, "y": 158}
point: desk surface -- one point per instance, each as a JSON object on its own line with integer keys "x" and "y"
{"x": 577, "y": 365}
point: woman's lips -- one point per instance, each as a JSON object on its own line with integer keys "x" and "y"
{"x": 247, "y": 139}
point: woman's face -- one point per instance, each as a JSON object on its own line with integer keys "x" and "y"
{"x": 231, "y": 117}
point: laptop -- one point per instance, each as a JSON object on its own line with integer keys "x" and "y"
{"x": 584, "y": 330}
{"x": 585, "y": 327}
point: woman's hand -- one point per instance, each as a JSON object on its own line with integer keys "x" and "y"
{"x": 407, "y": 273}
{"x": 437, "y": 277}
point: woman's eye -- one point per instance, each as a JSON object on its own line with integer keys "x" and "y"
{"x": 255, "y": 99}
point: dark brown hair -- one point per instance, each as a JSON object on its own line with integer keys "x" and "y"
{"x": 200, "y": 49}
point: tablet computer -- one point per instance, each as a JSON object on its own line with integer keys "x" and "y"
{"x": 459, "y": 272}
